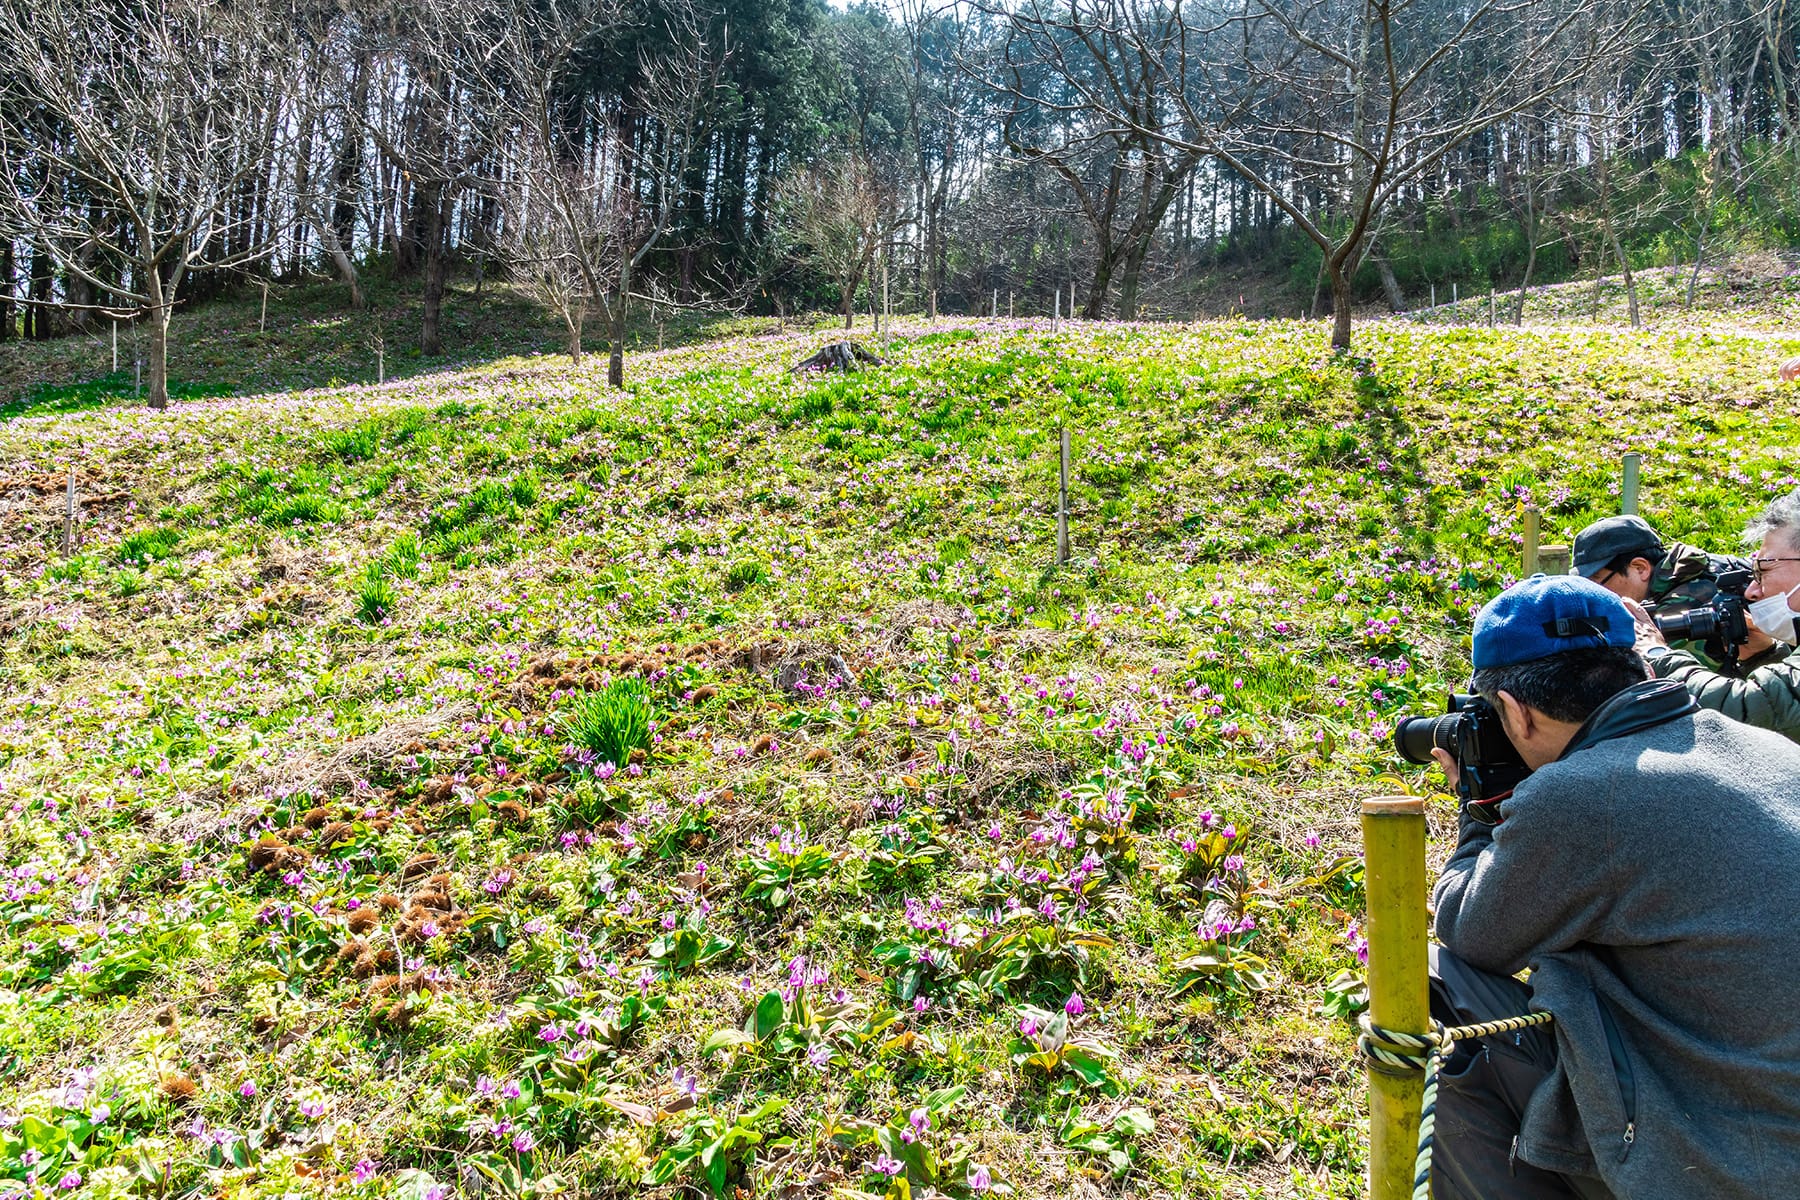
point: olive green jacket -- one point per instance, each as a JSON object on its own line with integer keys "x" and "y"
{"x": 1768, "y": 697}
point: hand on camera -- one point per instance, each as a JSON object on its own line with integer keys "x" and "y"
{"x": 1757, "y": 642}
{"x": 1447, "y": 761}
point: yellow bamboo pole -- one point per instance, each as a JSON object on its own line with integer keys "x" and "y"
{"x": 1531, "y": 542}
{"x": 1399, "y": 996}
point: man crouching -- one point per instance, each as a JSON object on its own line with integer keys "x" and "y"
{"x": 1647, "y": 871}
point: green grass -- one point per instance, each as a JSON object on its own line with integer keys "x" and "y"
{"x": 323, "y": 749}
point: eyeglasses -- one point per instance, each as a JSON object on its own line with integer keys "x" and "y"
{"x": 1758, "y": 570}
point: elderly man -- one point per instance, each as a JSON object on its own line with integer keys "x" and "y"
{"x": 1644, "y": 870}
{"x": 1768, "y": 696}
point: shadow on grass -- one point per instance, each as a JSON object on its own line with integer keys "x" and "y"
{"x": 116, "y": 388}
{"x": 309, "y": 337}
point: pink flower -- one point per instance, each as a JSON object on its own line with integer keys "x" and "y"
{"x": 980, "y": 1179}
{"x": 248, "y": 1089}
{"x": 365, "y": 1171}
{"x": 523, "y": 1141}
{"x": 1074, "y": 1005}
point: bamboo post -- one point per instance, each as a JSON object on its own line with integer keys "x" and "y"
{"x": 995, "y": 311}
{"x": 69, "y": 519}
{"x": 1399, "y": 990}
{"x": 1532, "y": 521}
{"x": 115, "y": 347}
{"x": 1062, "y": 502}
{"x": 887, "y": 311}
{"x": 1009, "y": 304}
{"x": 1553, "y": 560}
{"x": 1490, "y": 308}
{"x": 1056, "y": 313}
{"x": 1628, "y": 486}
{"x": 262, "y": 321}
{"x": 137, "y": 378}
{"x": 1071, "y": 299}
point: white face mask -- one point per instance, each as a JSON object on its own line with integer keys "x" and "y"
{"x": 1773, "y": 616}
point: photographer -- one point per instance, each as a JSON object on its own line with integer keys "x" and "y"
{"x": 1768, "y": 696}
{"x": 1644, "y": 870}
{"x": 1625, "y": 556}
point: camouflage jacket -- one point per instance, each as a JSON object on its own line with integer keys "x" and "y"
{"x": 1687, "y": 577}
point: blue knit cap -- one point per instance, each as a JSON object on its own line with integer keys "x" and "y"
{"x": 1548, "y": 614}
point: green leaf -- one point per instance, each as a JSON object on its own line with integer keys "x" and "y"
{"x": 1135, "y": 1122}
{"x": 723, "y": 1038}
{"x": 770, "y": 1012}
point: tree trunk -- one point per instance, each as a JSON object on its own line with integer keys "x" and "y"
{"x": 1631, "y": 296}
{"x": 6, "y": 289}
{"x": 1531, "y": 250}
{"x": 572, "y": 317}
{"x": 1390, "y": 286}
{"x": 430, "y": 338}
{"x": 1128, "y": 282}
{"x": 346, "y": 269}
{"x": 161, "y": 309}
{"x": 1340, "y": 311}
{"x": 615, "y": 363}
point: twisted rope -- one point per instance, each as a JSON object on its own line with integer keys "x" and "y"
{"x": 1390, "y": 1050}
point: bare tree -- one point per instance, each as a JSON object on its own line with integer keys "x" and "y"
{"x": 1354, "y": 101}
{"x": 141, "y": 130}
{"x": 596, "y": 180}
{"x": 434, "y": 122}
{"x": 838, "y": 216}
{"x": 1063, "y": 80}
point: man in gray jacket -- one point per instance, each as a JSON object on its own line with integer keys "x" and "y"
{"x": 1647, "y": 871}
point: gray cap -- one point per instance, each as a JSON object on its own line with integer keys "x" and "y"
{"x": 1605, "y": 540}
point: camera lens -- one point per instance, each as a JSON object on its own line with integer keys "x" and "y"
{"x": 1416, "y": 737}
{"x": 1694, "y": 625}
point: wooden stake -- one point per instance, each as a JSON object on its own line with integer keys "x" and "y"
{"x": 137, "y": 378}
{"x": 115, "y": 344}
{"x": 1062, "y": 503}
{"x": 996, "y": 309}
{"x": 1628, "y": 485}
{"x": 69, "y": 519}
{"x": 1553, "y": 560}
{"x": 262, "y": 322}
{"x": 1009, "y": 305}
{"x": 1531, "y": 542}
{"x": 1490, "y": 308}
{"x": 1399, "y": 982}
{"x": 887, "y": 312}
{"x": 1071, "y": 299}
{"x": 1056, "y": 316}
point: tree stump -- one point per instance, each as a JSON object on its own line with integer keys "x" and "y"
{"x": 840, "y": 356}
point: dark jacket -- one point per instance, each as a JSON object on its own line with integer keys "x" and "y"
{"x": 1651, "y": 881}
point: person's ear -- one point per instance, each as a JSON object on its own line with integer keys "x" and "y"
{"x": 1642, "y": 569}
{"x": 1515, "y": 717}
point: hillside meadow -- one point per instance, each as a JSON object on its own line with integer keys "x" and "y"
{"x": 489, "y": 784}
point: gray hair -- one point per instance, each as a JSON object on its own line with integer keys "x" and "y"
{"x": 1783, "y": 516}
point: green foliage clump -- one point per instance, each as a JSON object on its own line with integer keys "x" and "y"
{"x": 611, "y": 722}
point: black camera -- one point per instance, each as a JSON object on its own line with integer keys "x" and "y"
{"x": 1720, "y": 626}
{"x": 1488, "y": 764}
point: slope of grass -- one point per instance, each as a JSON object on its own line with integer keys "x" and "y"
{"x": 926, "y": 861}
